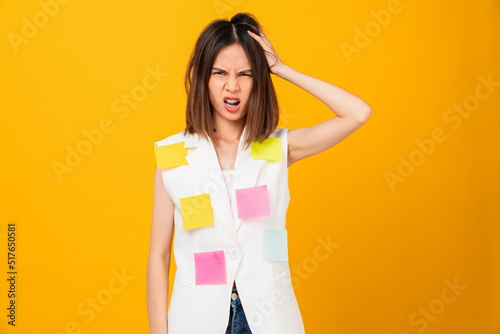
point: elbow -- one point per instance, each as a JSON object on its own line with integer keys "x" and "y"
{"x": 364, "y": 115}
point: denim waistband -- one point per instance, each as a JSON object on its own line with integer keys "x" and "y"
{"x": 237, "y": 300}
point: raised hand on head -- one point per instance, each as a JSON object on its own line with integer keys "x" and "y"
{"x": 274, "y": 62}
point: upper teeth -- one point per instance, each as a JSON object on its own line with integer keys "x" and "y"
{"x": 231, "y": 101}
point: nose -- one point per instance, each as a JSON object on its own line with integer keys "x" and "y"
{"x": 232, "y": 82}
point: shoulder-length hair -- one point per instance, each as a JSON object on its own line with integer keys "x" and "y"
{"x": 263, "y": 112}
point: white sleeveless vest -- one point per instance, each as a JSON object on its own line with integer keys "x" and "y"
{"x": 215, "y": 244}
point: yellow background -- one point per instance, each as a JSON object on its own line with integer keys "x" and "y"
{"x": 396, "y": 246}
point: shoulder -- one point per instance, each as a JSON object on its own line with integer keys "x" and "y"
{"x": 172, "y": 139}
{"x": 280, "y": 132}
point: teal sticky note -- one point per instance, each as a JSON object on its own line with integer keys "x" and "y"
{"x": 275, "y": 245}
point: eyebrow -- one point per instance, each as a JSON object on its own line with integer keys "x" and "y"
{"x": 220, "y": 69}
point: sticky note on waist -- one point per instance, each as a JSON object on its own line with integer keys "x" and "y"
{"x": 275, "y": 245}
{"x": 210, "y": 268}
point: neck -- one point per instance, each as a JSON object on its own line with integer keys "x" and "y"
{"x": 229, "y": 131}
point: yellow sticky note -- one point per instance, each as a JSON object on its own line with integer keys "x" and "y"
{"x": 171, "y": 155}
{"x": 269, "y": 149}
{"x": 196, "y": 211}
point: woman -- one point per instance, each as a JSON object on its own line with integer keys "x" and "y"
{"x": 223, "y": 183}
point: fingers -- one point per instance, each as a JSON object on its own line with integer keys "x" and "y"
{"x": 254, "y": 35}
{"x": 260, "y": 35}
{"x": 261, "y": 39}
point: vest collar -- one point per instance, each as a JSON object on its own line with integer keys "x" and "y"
{"x": 205, "y": 165}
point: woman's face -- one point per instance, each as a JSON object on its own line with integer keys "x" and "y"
{"x": 231, "y": 78}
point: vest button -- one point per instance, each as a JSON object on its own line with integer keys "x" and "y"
{"x": 234, "y": 253}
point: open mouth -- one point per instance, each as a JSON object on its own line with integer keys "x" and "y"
{"x": 231, "y": 102}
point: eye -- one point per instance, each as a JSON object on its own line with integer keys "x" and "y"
{"x": 218, "y": 72}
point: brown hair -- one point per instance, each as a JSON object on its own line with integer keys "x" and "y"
{"x": 263, "y": 112}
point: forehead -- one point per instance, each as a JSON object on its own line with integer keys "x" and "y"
{"x": 232, "y": 57}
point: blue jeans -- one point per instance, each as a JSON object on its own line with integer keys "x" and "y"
{"x": 237, "y": 320}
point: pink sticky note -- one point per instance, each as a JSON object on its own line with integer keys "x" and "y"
{"x": 210, "y": 267}
{"x": 253, "y": 202}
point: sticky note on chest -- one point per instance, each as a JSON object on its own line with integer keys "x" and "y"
{"x": 196, "y": 211}
{"x": 171, "y": 155}
{"x": 252, "y": 202}
{"x": 210, "y": 268}
{"x": 275, "y": 245}
{"x": 269, "y": 149}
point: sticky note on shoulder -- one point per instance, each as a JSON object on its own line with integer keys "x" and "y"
{"x": 210, "y": 268}
{"x": 269, "y": 149}
{"x": 275, "y": 245}
{"x": 196, "y": 211}
{"x": 171, "y": 155}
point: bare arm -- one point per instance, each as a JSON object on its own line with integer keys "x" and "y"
{"x": 351, "y": 112}
{"x": 162, "y": 228}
